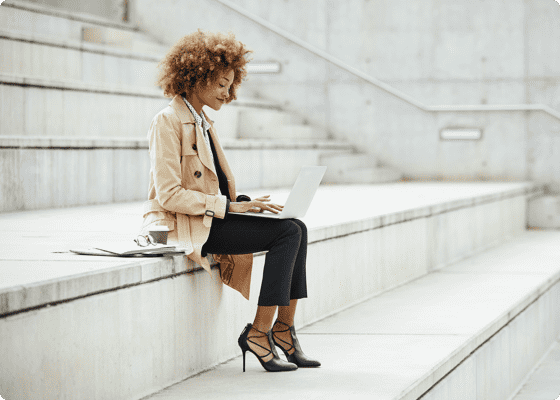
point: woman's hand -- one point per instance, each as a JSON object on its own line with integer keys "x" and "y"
{"x": 260, "y": 204}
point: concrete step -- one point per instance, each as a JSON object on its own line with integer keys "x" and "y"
{"x": 284, "y": 131}
{"x": 128, "y": 40}
{"x": 48, "y": 22}
{"x": 227, "y": 119}
{"x": 339, "y": 162}
{"x": 260, "y": 123}
{"x": 120, "y": 110}
{"x": 67, "y": 106}
{"x": 543, "y": 382}
{"x": 366, "y": 175}
{"x": 436, "y": 321}
{"x": 93, "y": 64}
{"x": 273, "y": 123}
{"x": 471, "y": 331}
{"x": 295, "y": 132}
{"x": 49, "y": 172}
{"x": 544, "y": 212}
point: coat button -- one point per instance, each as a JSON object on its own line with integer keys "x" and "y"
{"x": 194, "y": 147}
{"x": 198, "y": 174}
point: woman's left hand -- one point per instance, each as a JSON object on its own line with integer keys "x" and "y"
{"x": 266, "y": 198}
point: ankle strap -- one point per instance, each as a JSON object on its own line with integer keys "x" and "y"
{"x": 282, "y": 340}
{"x": 283, "y": 323}
{"x": 264, "y": 333}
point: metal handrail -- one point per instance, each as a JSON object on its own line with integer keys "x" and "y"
{"x": 382, "y": 85}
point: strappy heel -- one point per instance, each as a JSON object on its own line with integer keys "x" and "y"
{"x": 275, "y": 364}
{"x": 297, "y": 357}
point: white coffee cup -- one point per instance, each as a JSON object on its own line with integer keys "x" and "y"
{"x": 159, "y": 233}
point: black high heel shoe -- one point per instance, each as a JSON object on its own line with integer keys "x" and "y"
{"x": 297, "y": 357}
{"x": 275, "y": 364}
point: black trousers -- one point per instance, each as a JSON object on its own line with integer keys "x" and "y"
{"x": 284, "y": 276}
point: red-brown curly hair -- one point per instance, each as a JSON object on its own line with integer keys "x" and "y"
{"x": 198, "y": 59}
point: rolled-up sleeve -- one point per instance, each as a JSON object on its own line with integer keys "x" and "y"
{"x": 164, "y": 139}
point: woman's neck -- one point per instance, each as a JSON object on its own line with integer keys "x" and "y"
{"x": 195, "y": 102}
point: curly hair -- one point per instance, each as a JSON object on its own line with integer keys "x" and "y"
{"x": 199, "y": 59}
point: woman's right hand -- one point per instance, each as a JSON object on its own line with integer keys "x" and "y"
{"x": 258, "y": 205}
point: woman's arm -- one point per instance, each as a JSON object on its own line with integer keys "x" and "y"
{"x": 165, "y": 157}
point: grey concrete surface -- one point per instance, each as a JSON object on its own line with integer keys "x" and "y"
{"x": 395, "y": 233}
{"x": 544, "y": 382}
{"x": 436, "y": 52}
{"x": 386, "y": 347}
{"x": 43, "y": 237}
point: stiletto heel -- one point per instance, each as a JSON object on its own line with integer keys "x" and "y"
{"x": 297, "y": 357}
{"x": 275, "y": 364}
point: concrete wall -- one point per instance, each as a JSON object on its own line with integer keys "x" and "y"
{"x": 441, "y": 52}
{"x": 436, "y": 51}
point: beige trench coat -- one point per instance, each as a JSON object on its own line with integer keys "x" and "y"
{"x": 184, "y": 190}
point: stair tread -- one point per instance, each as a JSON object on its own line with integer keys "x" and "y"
{"x": 88, "y": 141}
{"x": 86, "y": 225}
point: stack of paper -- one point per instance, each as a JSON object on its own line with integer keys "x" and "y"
{"x": 126, "y": 250}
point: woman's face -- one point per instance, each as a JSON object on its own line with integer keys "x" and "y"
{"x": 215, "y": 95}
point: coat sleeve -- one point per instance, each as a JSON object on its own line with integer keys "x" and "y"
{"x": 165, "y": 157}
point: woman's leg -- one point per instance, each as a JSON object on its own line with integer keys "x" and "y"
{"x": 285, "y": 315}
{"x": 284, "y": 272}
{"x": 298, "y": 290}
{"x": 283, "y": 240}
{"x": 262, "y": 322}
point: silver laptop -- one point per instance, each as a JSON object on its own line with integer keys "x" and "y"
{"x": 300, "y": 197}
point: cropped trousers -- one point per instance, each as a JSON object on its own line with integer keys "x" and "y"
{"x": 284, "y": 276}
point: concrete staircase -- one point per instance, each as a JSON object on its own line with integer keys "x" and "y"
{"x": 352, "y": 167}
{"x": 444, "y": 295}
{"x": 81, "y": 97}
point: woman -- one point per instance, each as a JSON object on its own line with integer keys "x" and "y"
{"x": 192, "y": 191}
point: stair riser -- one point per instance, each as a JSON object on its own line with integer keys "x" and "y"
{"x": 71, "y": 27}
{"x": 225, "y": 120}
{"x": 259, "y": 123}
{"x": 51, "y": 178}
{"x": 38, "y": 60}
{"x": 75, "y": 113}
{"x": 544, "y": 212}
{"x": 44, "y": 178}
{"x": 338, "y": 163}
{"x": 362, "y": 175}
{"x": 284, "y": 132}
{"x": 29, "y": 22}
{"x": 255, "y": 169}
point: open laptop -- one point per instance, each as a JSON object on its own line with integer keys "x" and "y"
{"x": 300, "y": 197}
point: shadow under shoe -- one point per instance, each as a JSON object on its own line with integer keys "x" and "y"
{"x": 297, "y": 357}
{"x": 275, "y": 364}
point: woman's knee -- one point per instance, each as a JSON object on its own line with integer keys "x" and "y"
{"x": 292, "y": 229}
{"x": 301, "y": 224}
{"x": 302, "y": 227}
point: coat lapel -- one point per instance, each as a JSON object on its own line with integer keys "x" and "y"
{"x": 222, "y": 159}
{"x": 186, "y": 117}
{"x": 204, "y": 152}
